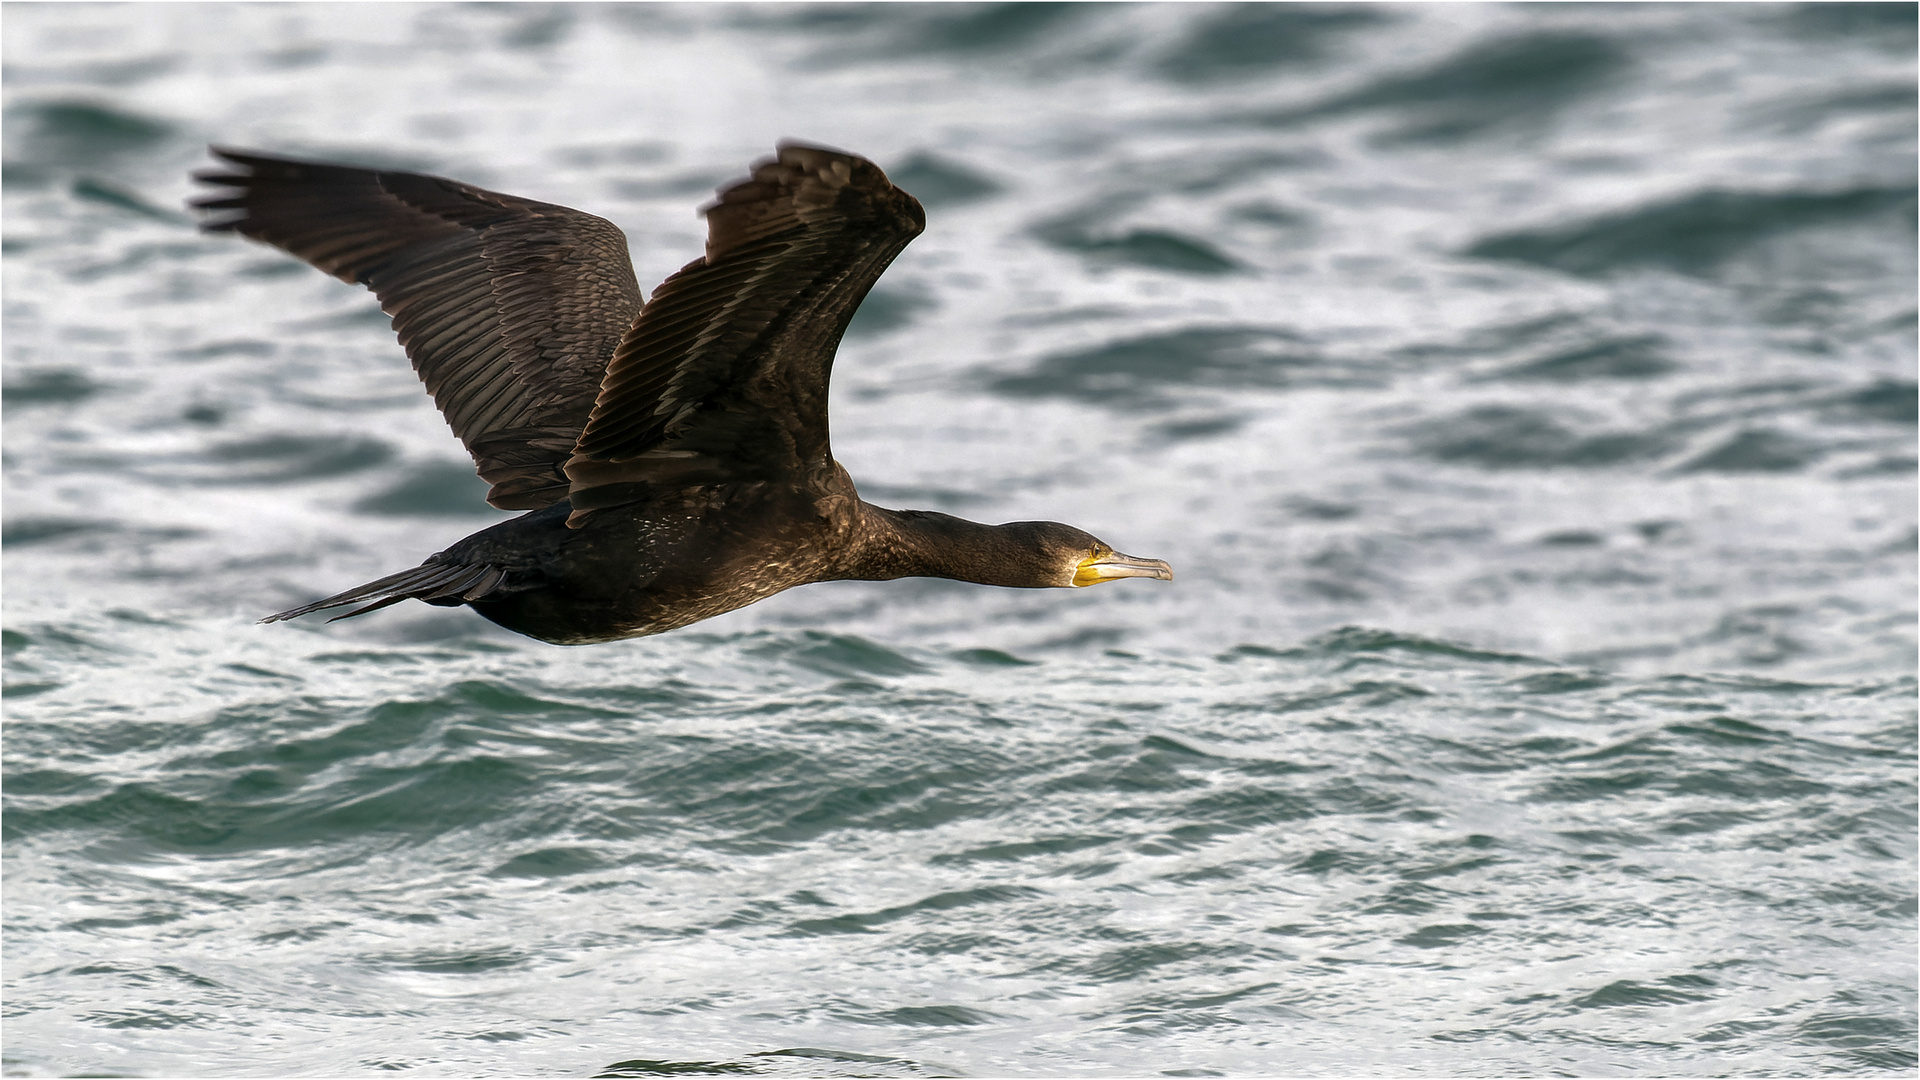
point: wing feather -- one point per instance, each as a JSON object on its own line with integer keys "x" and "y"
{"x": 725, "y": 373}
{"x": 510, "y": 309}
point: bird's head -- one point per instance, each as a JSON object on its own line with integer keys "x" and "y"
{"x": 1067, "y": 558}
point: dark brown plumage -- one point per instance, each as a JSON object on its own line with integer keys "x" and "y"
{"x": 674, "y": 454}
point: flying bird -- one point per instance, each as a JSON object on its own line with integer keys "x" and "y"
{"x": 672, "y": 453}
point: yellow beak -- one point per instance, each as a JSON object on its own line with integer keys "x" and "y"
{"x": 1108, "y": 565}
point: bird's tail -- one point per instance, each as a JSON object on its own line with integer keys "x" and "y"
{"x": 429, "y": 581}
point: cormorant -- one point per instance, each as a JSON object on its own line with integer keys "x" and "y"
{"x": 673, "y": 455}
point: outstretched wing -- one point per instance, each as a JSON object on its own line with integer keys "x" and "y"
{"x": 724, "y": 376}
{"x": 510, "y": 309}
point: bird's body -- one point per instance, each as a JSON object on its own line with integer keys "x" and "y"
{"x": 673, "y": 455}
{"x": 641, "y": 569}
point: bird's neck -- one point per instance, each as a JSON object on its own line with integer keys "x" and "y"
{"x": 922, "y": 543}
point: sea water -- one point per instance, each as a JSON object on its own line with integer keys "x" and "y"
{"x": 1524, "y": 396}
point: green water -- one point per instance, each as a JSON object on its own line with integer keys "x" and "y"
{"x": 1523, "y": 394}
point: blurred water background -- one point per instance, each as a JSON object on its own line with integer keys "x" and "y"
{"x": 1524, "y": 394}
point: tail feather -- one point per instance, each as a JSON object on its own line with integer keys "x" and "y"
{"x": 459, "y": 584}
{"x": 485, "y": 585}
{"x": 361, "y": 610}
{"x": 429, "y": 581}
